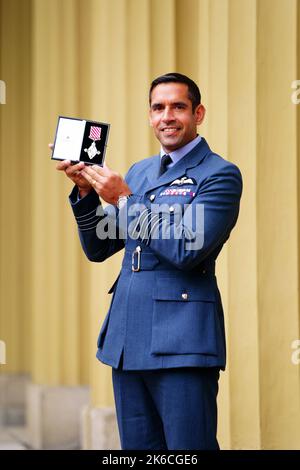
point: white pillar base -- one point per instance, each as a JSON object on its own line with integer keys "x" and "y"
{"x": 7, "y": 441}
{"x": 99, "y": 429}
{"x": 12, "y": 399}
{"x": 53, "y": 416}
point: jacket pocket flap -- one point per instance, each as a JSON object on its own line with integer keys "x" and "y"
{"x": 175, "y": 289}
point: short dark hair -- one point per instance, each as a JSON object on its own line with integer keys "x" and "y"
{"x": 174, "y": 77}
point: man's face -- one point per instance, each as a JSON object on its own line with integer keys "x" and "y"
{"x": 171, "y": 115}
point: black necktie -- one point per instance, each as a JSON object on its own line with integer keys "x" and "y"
{"x": 164, "y": 162}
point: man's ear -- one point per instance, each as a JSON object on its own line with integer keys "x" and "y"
{"x": 200, "y": 114}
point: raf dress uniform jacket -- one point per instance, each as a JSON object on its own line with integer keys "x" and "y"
{"x": 166, "y": 309}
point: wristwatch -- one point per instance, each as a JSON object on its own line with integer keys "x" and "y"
{"x": 122, "y": 201}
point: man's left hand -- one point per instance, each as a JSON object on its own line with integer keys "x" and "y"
{"x": 107, "y": 183}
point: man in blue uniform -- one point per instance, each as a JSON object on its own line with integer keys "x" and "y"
{"x": 164, "y": 333}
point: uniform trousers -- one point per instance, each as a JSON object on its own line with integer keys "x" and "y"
{"x": 167, "y": 409}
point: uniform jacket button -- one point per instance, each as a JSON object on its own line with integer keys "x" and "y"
{"x": 152, "y": 197}
{"x": 184, "y": 296}
{"x": 171, "y": 209}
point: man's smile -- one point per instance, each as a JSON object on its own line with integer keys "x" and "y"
{"x": 170, "y": 130}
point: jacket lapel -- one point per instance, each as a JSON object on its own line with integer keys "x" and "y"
{"x": 191, "y": 159}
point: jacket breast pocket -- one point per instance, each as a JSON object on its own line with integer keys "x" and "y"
{"x": 184, "y": 318}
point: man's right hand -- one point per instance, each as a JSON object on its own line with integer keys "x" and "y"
{"x": 74, "y": 173}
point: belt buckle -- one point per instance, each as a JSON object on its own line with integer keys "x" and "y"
{"x": 138, "y": 252}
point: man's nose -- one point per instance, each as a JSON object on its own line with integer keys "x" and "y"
{"x": 168, "y": 114}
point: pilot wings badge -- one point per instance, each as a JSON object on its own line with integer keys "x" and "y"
{"x": 183, "y": 180}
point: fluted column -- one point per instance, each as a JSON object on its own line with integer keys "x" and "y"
{"x": 59, "y": 320}
{"x": 277, "y": 222}
{"x": 57, "y": 341}
{"x": 15, "y": 164}
{"x": 243, "y": 314}
{"x": 15, "y": 184}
